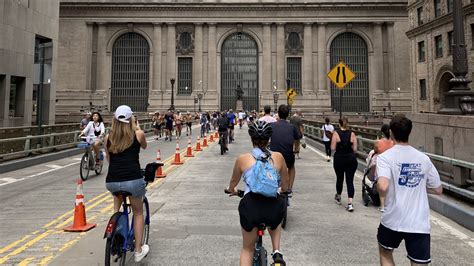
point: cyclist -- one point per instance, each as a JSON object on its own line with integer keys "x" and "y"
{"x": 283, "y": 140}
{"x": 123, "y": 145}
{"x": 178, "y": 119}
{"x": 94, "y": 133}
{"x": 254, "y": 208}
{"x": 231, "y": 117}
{"x": 222, "y": 127}
{"x": 344, "y": 142}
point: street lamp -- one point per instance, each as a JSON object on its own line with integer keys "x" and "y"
{"x": 275, "y": 100}
{"x": 200, "y": 98}
{"x": 186, "y": 88}
{"x": 172, "y": 80}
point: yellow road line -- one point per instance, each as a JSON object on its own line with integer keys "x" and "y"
{"x": 26, "y": 261}
{"x": 69, "y": 244}
{"x": 45, "y": 260}
{"x": 12, "y": 245}
{"x": 25, "y": 246}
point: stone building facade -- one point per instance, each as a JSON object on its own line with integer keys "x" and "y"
{"x": 126, "y": 52}
{"x": 430, "y": 34}
{"x": 28, "y": 28}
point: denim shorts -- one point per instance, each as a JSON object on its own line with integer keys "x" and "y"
{"x": 135, "y": 187}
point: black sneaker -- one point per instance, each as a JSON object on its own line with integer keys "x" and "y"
{"x": 337, "y": 198}
{"x": 278, "y": 259}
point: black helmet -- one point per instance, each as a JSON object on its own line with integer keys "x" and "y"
{"x": 260, "y": 130}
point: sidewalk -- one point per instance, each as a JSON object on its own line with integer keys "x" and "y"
{"x": 195, "y": 223}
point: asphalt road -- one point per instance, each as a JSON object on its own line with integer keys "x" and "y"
{"x": 195, "y": 223}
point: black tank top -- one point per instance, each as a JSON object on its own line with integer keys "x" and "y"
{"x": 124, "y": 166}
{"x": 344, "y": 147}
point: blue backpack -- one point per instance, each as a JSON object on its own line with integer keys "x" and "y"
{"x": 263, "y": 178}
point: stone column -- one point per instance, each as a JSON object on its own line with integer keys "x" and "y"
{"x": 212, "y": 64}
{"x": 281, "y": 78}
{"x": 198, "y": 48}
{"x": 101, "y": 57}
{"x": 308, "y": 59}
{"x": 322, "y": 60}
{"x": 157, "y": 51}
{"x": 391, "y": 71}
{"x": 171, "y": 54}
{"x": 4, "y": 99}
{"x": 377, "y": 70}
{"x": 267, "y": 58}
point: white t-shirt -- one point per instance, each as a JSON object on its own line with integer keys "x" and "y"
{"x": 241, "y": 115}
{"x": 409, "y": 172}
{"x": 329, "y": 128}
{"x": 267, "y": 118}
{"x": 93, "y": 127}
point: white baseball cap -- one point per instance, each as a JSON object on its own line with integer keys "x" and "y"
{"x": 123, "y": 113}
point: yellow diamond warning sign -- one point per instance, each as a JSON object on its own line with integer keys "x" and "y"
{"x": 341, "y": 75}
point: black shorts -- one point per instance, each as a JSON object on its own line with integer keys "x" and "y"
{"x": 169, "y": 127}
{"x": 255, "y": 209}
{"x": 289, "y": 160}
{"x": 189, "y": 124}
{"x": 416, "y": 244}
{"x": 231, "y": 126}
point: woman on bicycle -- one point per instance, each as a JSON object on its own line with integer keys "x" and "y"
{"x": 123, "y": 145}
{"x": 94, "y": 133}
{"x": 254, "y": 208}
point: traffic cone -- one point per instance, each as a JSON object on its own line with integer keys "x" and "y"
{"x": 177, "y": 155}
{"x": 159, "y": 171}
{"x": 79, "y": 224}
{"x": 211, "y": 138}
{"x": 198, "y": 144}
{"x": 204, "y": 141}
{"x": 189, "y": 151}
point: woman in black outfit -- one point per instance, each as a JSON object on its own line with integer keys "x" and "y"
{"x": 344, "y": 142}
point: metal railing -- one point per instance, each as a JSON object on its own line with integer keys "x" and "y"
{"x": 456, "y": 174}
{"x": 12, "y": 148}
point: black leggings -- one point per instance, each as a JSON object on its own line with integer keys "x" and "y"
{"x": 327, "y": 146}
{"x": 347, "y": 165}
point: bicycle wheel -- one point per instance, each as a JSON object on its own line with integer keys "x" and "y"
{"x": 146, "y": 229}
{"x": 84, "y": 167}
{"x": 98, "y": 168}
{"x": 285, "y": 214}
{"x": 263, "y": 256}
{"x": 114, "y": 252}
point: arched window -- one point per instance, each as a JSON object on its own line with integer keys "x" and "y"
{"x": 351, "y": 49}
{"x": 130, "y": 72}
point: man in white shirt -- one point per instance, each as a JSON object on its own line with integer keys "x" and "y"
{"x": 267, "y": 117}
{"x": 327, "y": 129}
{"x": 406, "y": 175}
{"x": 241, "y": 118}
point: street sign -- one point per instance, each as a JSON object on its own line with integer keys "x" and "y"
{"x": 291, "y": 93}
{"x": 341, "y": 75}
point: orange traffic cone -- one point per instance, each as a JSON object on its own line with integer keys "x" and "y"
{"x": 204, "y": 141}
{"x": 79, "y": 224}
{"x": 159, "y": 171}
{"x": 177, "y": 155}
{"x": 198, "y": 144}
{"x": 189, "y": 151}
{"x": 211, "y": 138}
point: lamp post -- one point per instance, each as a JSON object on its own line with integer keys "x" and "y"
{"x": 195, "y": 101}
{"x": 460, "y": 99}
{"x": 172, "y": 80}
{"x": 200, "y": 98}
{"x": 186, "y": 88}
{"x": 275, "y": 100}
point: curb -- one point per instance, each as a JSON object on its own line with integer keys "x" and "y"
{"x": 445, "y": 206}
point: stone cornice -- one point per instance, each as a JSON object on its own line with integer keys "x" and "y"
{"x": 438, "y": 22}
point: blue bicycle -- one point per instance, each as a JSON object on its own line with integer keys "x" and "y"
{"x": 119, "y": 231}
{"x": 88, "y": 160}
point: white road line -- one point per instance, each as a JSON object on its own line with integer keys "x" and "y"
{"x": 316, "y": 151}
{"x": 453, "y": 231}
{"x": 9, "y": 180}
{"x": 53, "y": 166}
{"x": 52, "y": 170}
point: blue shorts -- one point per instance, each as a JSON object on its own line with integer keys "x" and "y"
{"x": 135, "y": 187}
{"x": 416, "y": 244}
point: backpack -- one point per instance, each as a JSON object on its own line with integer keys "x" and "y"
{"x": 327, "y": 133}
{"x": 263, "y": 178}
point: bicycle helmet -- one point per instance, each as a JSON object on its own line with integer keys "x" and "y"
{"x": 260, "y": 130}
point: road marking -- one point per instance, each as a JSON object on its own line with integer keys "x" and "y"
{"x": 52, "y": 170}
{"x": 25, "y": 246}
{"x": 9, "y": 180}
{"x": 316, "y": 151}
{"x": 26, "y": 261}
{"x": 53, "y": 166}
{"x": 12, "y": 245}
{"x": 45, "y": 260}
{"x": 453, "y": 231}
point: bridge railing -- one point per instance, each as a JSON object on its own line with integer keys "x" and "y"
{"x": 456, "y": 174}
{"x": 13, "y": 148}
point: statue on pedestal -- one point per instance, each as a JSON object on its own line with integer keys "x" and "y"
{"x": 239, "y": 92}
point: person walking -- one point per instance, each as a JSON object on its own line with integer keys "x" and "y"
{"x": 169, "y": 120}
{"x": 381, "y": 146}
{"x": 328, "y": 130}
{"x": 123, "y": 145}
{"x": 344, "y": 143}
{"x": 405, "y": 177}
{"x": 283, "y": 140}
{"x": 267, "y": 117}
{"x": 298, "y": 123}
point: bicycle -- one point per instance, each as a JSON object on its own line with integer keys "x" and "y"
{"x": 223, "y": 142}
{"x": 88, "y": 160}
{"x": 286, "y": 198}
{"x": 119, "y": 232}
{"x": 260, "y": 254}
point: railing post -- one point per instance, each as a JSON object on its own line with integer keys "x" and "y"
{"x": 28, "y": 143}
{"x": 51, "y": 140}
{"x": 460, "y": 175}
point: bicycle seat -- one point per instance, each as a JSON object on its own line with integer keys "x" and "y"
{"x": 122, "y": 193}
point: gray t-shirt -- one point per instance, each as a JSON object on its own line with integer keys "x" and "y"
{"x": 409, "y": 172}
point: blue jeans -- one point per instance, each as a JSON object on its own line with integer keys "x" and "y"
{"x": 135, "y": 187}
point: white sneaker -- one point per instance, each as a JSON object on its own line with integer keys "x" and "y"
{"x": 381, "y": 209}
{"x": 140, "y": 255}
